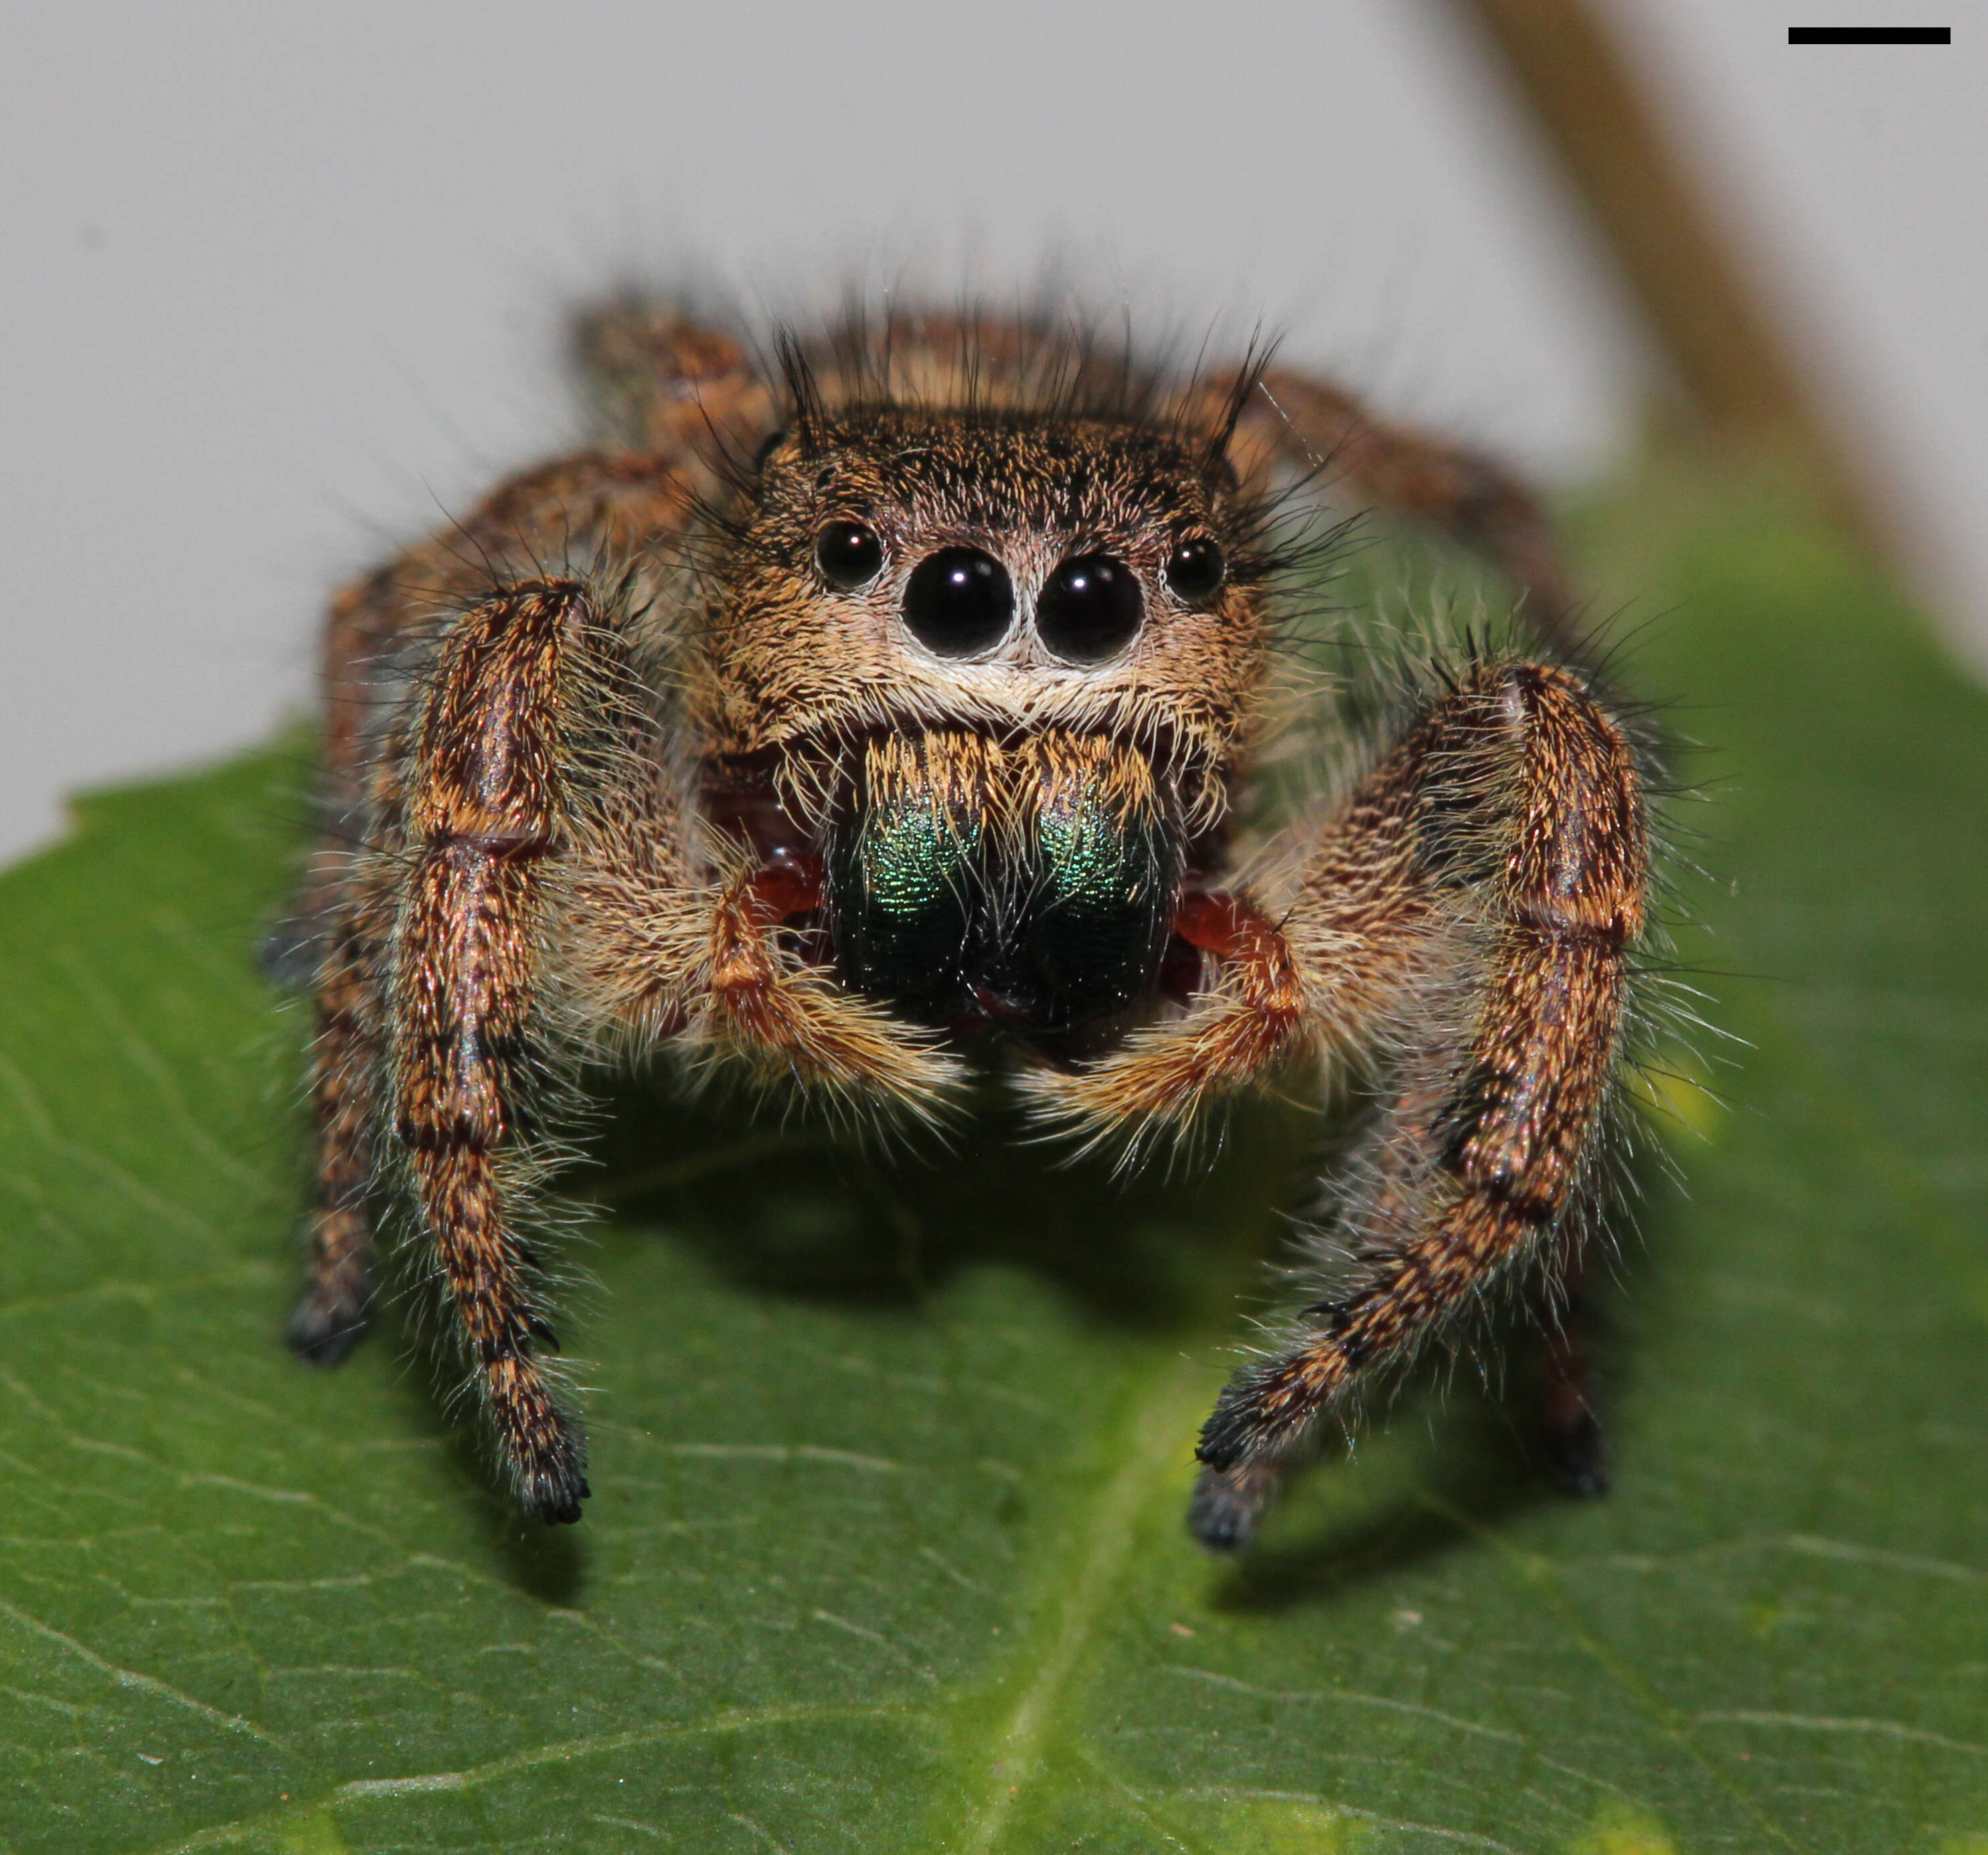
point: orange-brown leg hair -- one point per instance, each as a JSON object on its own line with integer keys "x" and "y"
{"x": 616, "y": 504}
{"x": 559, "y": 516}
{"x": 1519, "y": 799}
{"x": 780, "y": 1014}
{"x": 522, "y": 811}
{"x": 1464, "y": 923}
{"x": 668, "y": 382}
{"x": 493, "y": 793}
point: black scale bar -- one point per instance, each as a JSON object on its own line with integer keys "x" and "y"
{"x": 1870, "y": 35}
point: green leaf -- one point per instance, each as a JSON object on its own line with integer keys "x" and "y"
{"x": 887, "y": 1553}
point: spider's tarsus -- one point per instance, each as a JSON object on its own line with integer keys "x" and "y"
{"x": 323, "y": 1332}
{"x": 554, "y": 1492}
{"x": 1228, "y": 1504}
{"x": 1575, "y": 1447}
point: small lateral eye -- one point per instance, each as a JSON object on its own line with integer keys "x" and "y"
{"x": 958, "y": 601}
{"x": 1088, "y": 609}
{"x": 849, "y": 555}
{"x": 1196, "y": 568}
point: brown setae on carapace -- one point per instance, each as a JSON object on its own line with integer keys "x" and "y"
{"x": 889, "y": 708}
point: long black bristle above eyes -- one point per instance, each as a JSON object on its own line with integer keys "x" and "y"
{"x": 810, "y": 416}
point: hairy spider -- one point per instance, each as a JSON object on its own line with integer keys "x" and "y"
{"x": 850, "y": 716}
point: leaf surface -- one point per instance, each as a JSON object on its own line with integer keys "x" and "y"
{"x": 887, "y": 1553}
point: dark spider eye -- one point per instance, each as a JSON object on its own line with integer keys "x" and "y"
{"x": 849, "y": 555}
{"x": 958, "y": 601}
{"x": 1196, "y": 567}
{"x": 1090, "y": 609}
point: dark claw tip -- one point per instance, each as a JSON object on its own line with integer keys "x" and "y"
{"x": 1217, "y": 1522}
{"x": 556, "y": 1497}
{"x": 1577, "y": 1459}
{"x": 323, "y": 1334}
{"x": 1227, "y": 1504}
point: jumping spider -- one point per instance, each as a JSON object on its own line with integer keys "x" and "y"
{"x": 852, "y": 709}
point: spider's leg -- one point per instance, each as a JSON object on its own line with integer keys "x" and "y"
{"x": 514, "y": 739}
{"x": 331, "y": 1313}
{"x": 562, "y": 516}
{"x": 1514, "y": 812}
{"x": 668, "y": 381}
{"x": 531, "y": 861}
{"x": 1309, "y": 425}
{"x": 1463, "y": 924}
{"x": 340, "y": 925}
{"x": 1570, "y": 1430}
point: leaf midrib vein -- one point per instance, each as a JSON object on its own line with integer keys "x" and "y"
{"x": 1160, "y": 1419}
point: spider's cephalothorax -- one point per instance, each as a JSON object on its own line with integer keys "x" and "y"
{"x": 928, "y": 723}
{"x": 986, "y": 679}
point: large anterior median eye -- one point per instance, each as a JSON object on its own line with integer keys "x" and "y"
{"x": 849, "y": 555}
{"x": 958, "y": 601}
{"x": 1090, "y": 609}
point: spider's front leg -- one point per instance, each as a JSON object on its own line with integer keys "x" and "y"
{"x": 1465, "y": 922}
{"x": 504, "y": 778}
{"x": 530, "y": 899}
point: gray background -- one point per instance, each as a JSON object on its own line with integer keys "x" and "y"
{"x": 280, "y": 285}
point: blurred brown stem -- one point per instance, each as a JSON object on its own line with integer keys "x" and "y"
{"x": 1693, "y": 289}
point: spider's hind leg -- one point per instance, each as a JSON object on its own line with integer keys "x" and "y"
{"x": 1573, "y": 1438}
{"x": 669, "y": 382}
{"x": 1312, "y": 427}
{"x": 330, "y": 1314}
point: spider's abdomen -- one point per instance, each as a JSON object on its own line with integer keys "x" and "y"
{"x": 1030, "y": 886}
